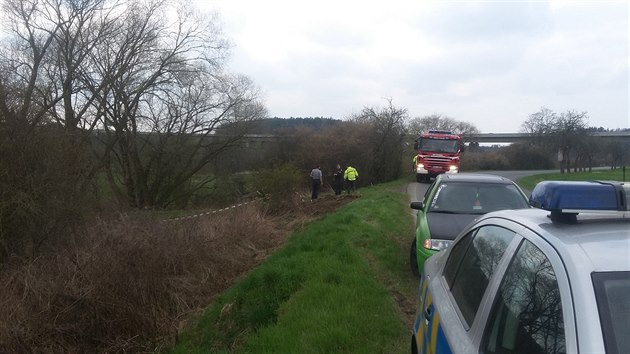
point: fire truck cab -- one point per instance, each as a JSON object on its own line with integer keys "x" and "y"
{"x": 437, "y": 152}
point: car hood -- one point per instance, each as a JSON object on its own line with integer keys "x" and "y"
{"x": 448, "y": 226}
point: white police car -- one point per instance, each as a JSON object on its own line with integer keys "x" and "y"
{"x": 548, "y": 280}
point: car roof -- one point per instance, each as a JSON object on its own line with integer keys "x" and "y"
{"x": 596, "y": 242}
{"x": 474, "y": 178}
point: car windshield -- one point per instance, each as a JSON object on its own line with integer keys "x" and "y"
{"x": 437, "y": 145}
{"x": 476, "y": 198}
{"x": 612, "y": 290}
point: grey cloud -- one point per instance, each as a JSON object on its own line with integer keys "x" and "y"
{"x": 479, "y": 21}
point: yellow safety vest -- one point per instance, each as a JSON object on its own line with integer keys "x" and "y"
{"x": 351, "y": 174}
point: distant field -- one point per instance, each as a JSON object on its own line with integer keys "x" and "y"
{"x": 342, "y": 284}
{"x": 611, "y": 175}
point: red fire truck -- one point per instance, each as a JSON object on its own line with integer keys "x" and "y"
{"x": 438, "y": 152}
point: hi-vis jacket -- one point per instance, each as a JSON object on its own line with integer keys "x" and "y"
{"x": 351, "y": 174}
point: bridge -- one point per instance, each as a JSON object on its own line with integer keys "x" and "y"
{"x": 252, "y": 140}
{"x": 260, "y": 140}
{"x": 520, "y": 137}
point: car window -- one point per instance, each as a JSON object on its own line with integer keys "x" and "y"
{"x": 454, "y": 197}
{"x": 476, "y": 198}
{"x": 626, "y": 191}
{"x": 612, "y": 291}
{"x": 476, "y": 268}
{"x": 428, "y": 191}
{"x": 499, "y": 197}
{"x": 455, "y": 258}
{"x": 527, "y": 315}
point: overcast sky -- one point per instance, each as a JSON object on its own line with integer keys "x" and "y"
{"x": 490, "y": 63}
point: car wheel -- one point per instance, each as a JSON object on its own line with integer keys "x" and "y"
{"x": 414, "y": 346}
{"x": 413, "y": 259}
{"x": 419, "y": 178}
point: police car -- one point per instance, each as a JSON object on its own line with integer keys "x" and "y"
{"x": 555, "y": 279}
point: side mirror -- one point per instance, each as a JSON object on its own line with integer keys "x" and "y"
{"x": 416, "y": 205}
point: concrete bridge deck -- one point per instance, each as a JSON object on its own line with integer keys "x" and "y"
{"x": 519, "y": 137}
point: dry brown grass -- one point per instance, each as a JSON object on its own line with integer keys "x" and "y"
{"x": 128, "y": 285}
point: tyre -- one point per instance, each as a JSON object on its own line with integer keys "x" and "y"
{"x": 413, "y": 259}
{"x": 414, "y": 346}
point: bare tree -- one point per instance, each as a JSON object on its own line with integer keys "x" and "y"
{"x": 437, "y": 121}
{"x": 82, "y": 27}
{"x": 162, "y": 110}
{"x": 23, "y": 59}
{"x": 569, "y": 130}
{"x": 540, "y": 125}
{"x": 565, "y": 134}
{"x": 47, "y": 58}
{"x": 615, "y": 152}
{"x": 45, "y": 169}
{"x": 386, "y": 140}
{"x": 146, "y": 78}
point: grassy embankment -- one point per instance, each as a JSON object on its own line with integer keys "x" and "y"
{"x": 603, "y": 175}
{"x": 341, "y": 285}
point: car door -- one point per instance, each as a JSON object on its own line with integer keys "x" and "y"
{"x": 454, "y": 287}
{"x": 532, "y": 311}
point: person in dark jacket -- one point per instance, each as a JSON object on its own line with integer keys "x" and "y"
{"x": 338, "y": 179}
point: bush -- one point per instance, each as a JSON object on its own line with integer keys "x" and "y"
{"x": 44, "y": 178}
{"x": 224, "y": 190}
{"x": 526, "y": 157}
{"x": 127, "y": 285}
{"x": 483, "y": 161}
{"x": 512, "y": 157}
{"x": 281, "y": 187}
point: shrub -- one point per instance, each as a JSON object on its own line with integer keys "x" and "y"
{"x": 527, "y": 157}
{"x": 281, "y": 186}
{"x": 222, "y": 191}
{"x": 126, "y": 285}
{"x": 44, "y": 178}
{"x": 483, "y": 161}
{"x": 512, "y": 157}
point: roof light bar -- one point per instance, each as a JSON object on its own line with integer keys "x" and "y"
{"x": 440, "y": 132}
{"x": 574, "y": 197}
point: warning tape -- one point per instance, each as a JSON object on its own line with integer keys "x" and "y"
{"x": 210, "y": 212}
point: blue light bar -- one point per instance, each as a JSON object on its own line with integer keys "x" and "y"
{"x": 559, "y": 196}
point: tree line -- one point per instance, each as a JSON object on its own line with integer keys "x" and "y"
{"x": 132, "y": 102}
{"x": 568, "y": 135}
{"x": 109, "y": 93}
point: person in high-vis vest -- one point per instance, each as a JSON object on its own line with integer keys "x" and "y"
{"x": 350, "y": 176}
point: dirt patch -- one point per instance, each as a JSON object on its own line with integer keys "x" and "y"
{"x": 326, "y": 204}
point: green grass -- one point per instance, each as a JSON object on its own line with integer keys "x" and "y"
{"x": 328, "y": 290}
{"x": 606, "y": 175}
